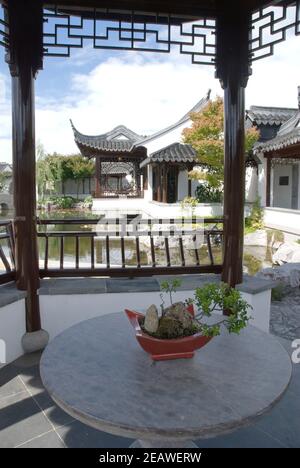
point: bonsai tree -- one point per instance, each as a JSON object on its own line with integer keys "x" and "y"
{"x": 177, "y": 320}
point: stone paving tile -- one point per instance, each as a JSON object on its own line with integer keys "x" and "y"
{"x": 48, "y": 440}
{"x": 10, "y": 385}
{"x": 20, "y": 420}
{"x": 283, "y": 422}
{"x": 78, "y": 435}
{"x": 56, "y": 416}
{"x": 248, "y": 437}
{"x": 285, "y": 315}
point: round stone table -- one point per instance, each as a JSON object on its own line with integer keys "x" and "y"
{"x": 97, "y": 372}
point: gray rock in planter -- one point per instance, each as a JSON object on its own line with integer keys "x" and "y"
{"x": 151, "y": 319}
{"x": 178, "y": 311}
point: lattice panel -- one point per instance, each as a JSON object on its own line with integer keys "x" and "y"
{"x": 128, "y": 31}
{"x": 4, "y": 33}
{"x": 272, "y": 25}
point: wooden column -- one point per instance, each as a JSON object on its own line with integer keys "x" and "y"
{"x": 233, "y": 70}
{"x": 189, "y": 168}
{"x": 97, "y": 177}
{"x": 268, "y": 181}
{"x": 164, "y": 184}
{"x": 159, "y": 187}
{"x": 25, "y": 58}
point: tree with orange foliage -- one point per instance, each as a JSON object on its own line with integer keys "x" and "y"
{"x": 206, "y": 136}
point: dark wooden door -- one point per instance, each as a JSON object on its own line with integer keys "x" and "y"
{"x": 172, "y": 184}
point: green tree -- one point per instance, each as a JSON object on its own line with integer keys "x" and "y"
{"x": 2, "y": 181}
{"x": 53, "y": 169}
{"x": 78, "y": 168}
{"x": 49, "y": 172}
{"x": 206, "y": 135}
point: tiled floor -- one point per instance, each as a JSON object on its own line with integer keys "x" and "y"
{"x": 30, "y": 419}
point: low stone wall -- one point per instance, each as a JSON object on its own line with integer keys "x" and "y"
{"x": 12, "y": 323}
{"x": 65, "y": 302}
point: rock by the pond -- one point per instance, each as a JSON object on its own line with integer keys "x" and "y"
{"x": 151, "y": 319}
{"x": 258, "y": 238}
{"x": 288, "y": 274}
{"x": 190, "y": 241}
{"x": 178, "y": 312}
{"x": 288, "y": 252}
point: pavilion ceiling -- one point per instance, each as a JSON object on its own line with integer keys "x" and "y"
{"x": 187, "y": 7}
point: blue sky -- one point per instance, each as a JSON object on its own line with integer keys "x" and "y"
{"x": 101, "y": 89}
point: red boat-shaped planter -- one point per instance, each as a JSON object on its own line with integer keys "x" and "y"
{"x": 164, "y": 349}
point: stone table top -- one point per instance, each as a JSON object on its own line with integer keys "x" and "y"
{"x": 97, "y": 372}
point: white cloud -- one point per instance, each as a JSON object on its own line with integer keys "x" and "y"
{"x": 146, "y": 92}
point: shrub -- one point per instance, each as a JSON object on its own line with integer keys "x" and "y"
{"x": 207, "y": 194}
{"x": 256, "y": 219}
{"x": 63, "y": 203}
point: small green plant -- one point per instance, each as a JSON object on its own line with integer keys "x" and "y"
{"x": 169, "y": 288}
{"x": 63, "y": 203}
{"x": 189, "y": 202}
{"x": 277, "y": 293}
{"x": 256, "y": 219}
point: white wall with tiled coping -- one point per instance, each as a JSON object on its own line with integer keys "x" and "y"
{"x": 282, "y": 219}
{"x": 12, "y": 328}
{"x": 60, "y": 311}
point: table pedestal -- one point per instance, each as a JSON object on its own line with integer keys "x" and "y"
{"x": 163, "y": 443}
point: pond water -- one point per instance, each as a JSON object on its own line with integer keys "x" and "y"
{"x": 255, "y": 258}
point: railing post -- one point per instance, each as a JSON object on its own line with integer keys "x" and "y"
{"x": 232, "y": 63}
{"x": 25, "y": 58}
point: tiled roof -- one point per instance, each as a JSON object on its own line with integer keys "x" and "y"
{"x": 289, "y": 134}
{"x": 176, "y": 152}
{"x": 261, "y": 115}
{"x": 5, "y": 167}
{"x": 120, "y": 139}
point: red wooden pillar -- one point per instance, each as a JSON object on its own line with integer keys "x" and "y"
{"x": 233, "y": 69}
{"x": 25, "y": 59}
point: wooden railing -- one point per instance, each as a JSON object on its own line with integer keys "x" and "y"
{"x": 120, "y": 232}
{"x": 7, "y": 259}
